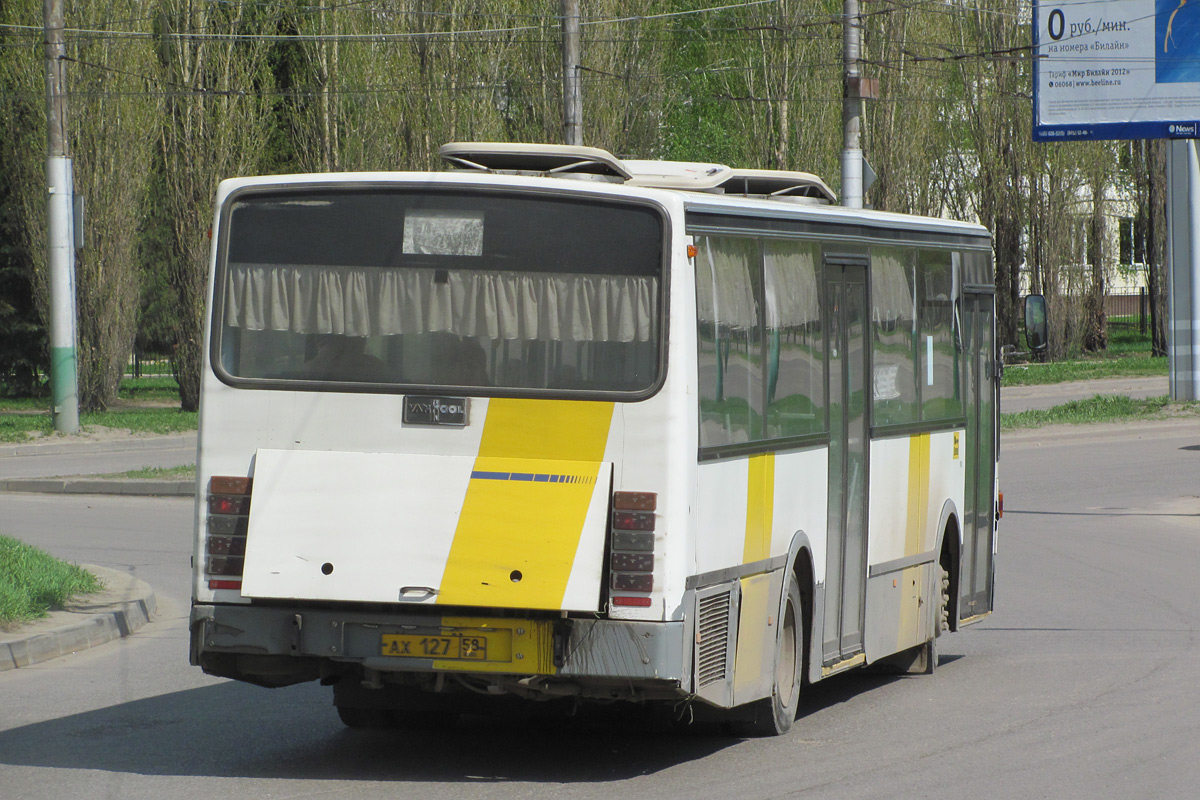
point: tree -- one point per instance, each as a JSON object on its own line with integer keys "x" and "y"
{"x": 1147, "y": 173}
{"x": 998, "y": 126}
{"x": 113, "y": 115}
{"x": 216, "y": 124}
{"x": 23, "y": 348}
{"x": 109, "y": 117}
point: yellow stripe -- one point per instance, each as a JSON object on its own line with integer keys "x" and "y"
{"x": 566, "y": 430}
{"x": 760, "y": 501}
{"x": 516, "y": 541}
{"x": 918, "y": 491}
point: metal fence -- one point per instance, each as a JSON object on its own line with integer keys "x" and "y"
{"x": 1133, "y": 307}
{"x": 145, "y": 365}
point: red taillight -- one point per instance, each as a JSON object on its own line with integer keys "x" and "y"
{"x": 1000, "y": 506}
{"x": 226, "y": 504}
{"x": 633, "y": 520}
{"x": 227, "y": 524}
{"x": 631, "y": 560}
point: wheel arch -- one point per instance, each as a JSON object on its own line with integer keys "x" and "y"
{"x": 949, "y": 554}
{"x": 800, "y": 564}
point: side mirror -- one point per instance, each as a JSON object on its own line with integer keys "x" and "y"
{"x": 1036, "y": 329}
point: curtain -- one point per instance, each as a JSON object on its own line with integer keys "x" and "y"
{"x": 374, "y": 301}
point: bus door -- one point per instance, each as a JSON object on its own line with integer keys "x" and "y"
{"x": 979, "y": 334}
{"x": 846, "y": 559}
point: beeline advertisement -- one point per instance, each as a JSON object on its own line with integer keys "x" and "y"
{"x": 1116, "y": 69}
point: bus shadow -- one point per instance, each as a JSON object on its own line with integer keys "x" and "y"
{"x": 232, "y": 730}
{"x": 838, "y": 689}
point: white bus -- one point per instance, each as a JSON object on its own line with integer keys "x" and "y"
{"x": 555, "y": 425}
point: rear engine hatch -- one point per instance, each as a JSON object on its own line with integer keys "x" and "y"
{"x": 424, "y": 529}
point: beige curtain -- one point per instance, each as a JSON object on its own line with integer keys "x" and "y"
{"x": 374, "y": 301}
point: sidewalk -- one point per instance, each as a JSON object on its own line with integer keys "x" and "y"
{"x": 70, "y": 465}
{"x": 1015, "y": 399}
{"x": 123, "y": 606}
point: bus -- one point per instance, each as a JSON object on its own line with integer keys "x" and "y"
{"x": 550, "y": 425}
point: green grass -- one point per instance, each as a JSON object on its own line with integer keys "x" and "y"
{"x": 1083, "y": 369}
{"x": 24, "y": 427}
{"x": 32, "y": 582}
{"x": 1127, "y": 356}
{"x": 1124, "y": 338}
{"x": 1100, "y": 408}
{"x": 156, "y": 473}
{"x": 158, "y": 388}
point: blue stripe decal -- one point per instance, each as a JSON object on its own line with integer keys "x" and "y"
{"x": 539, "y": 477}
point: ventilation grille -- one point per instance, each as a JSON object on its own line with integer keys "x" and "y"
{"x": 712, "y": 654}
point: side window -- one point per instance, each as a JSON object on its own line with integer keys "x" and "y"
{"x": 894, "y": 331}
{"x": 729, "y": 335}
{"x": 795, "y": 339}
{"x": 937, "y": 348}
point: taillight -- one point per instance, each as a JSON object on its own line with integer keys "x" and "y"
{"x": 631, "y": 562}
{"x": 227, "y": 523}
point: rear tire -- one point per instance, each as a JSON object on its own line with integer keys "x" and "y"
{"x": 774, "y": 715}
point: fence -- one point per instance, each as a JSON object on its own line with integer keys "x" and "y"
{"x": 1132, "y": 306}
{"x": 144, "y": 365}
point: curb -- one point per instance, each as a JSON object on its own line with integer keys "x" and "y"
{"x": 120, "y": 486}
{"x": 122, "y": 607}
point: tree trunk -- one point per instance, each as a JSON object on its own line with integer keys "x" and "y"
{"x": 1155, "y": 168}
{"x": 1095, "y": 337}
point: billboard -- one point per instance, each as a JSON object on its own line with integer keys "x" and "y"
{"x": 1116, "y": 69}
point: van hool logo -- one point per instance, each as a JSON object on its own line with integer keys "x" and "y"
{"x": 435, "y": 411}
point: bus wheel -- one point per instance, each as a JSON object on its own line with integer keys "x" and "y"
{"x": 943, "y": 620}
{"x": 928, "y": 661}
{"x": 774, "y": 715}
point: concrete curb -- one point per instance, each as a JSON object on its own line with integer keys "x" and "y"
{"x": 86, "y": 485}
{"x": 122, "y": 607}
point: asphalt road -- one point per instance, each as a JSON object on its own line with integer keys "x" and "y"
{"x": 96, "y": 457}
{"x": 1084, "y": 683}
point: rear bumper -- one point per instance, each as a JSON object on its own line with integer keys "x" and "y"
{"x": 277, "y": 646}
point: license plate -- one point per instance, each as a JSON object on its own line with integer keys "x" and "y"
{"x": 449, "y": 644}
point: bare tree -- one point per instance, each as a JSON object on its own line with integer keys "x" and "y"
{"x": 216, "y": 123}
{"x": 112, "y": 116}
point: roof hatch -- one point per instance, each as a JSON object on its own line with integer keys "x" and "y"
{"x": 570, "y": 161}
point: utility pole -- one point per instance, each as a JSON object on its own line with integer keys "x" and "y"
{"x": 855, "y": 88}
{"x": 1183, "y": 228}
{"x": 851, "y": 107}
{"x": 64, "y": 380}
{"x": 572, "y": 99}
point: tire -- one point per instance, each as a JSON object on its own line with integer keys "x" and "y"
{"x": 774, "y": 715}
{"x": 943, "y": 616}
{"x": 941, "y": 621}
